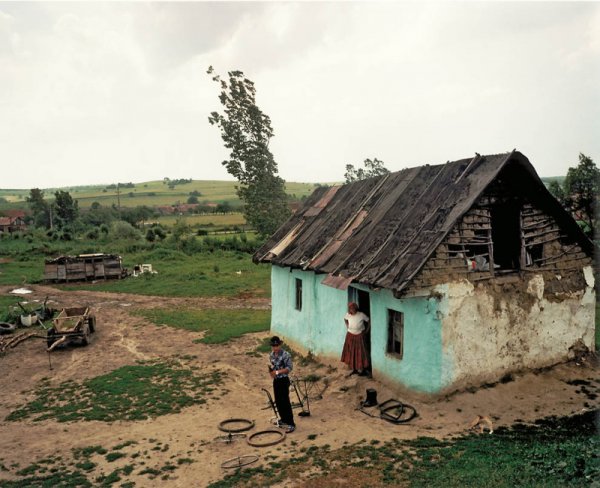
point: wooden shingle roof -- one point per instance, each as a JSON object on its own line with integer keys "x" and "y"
{"x": 381, "y": 231}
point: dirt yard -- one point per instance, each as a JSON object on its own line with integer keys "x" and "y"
{"x": 123, "y": 338}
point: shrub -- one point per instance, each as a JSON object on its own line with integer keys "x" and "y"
{"x": 159, "y": 232}
{"x": 124, "y": 230}
{"x": 93, "y": 233}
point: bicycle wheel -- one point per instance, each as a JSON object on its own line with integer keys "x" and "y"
{"x": 398, "y": 414}
{"x": 229, "y": 438}
{"x": 265, "y": 438}
{"x": 236, "y": 425}
{"x": 239, "y": 461}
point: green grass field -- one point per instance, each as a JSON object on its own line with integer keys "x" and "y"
{"x": 216, "y": 220}
{"x": 136, "y": 392}
{"x": 555, "y": 452}
{"x": 204, "y": 274}
{"x": 150, "y": 193}
{"x": 220, "y": 325}
{"x": 198, "y": 273}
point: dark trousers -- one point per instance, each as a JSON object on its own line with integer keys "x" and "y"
{"x": 281, "y": 388}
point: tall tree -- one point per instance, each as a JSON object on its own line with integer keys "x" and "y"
{"x": 66, "y": 209}
{"x": 39, "y": 208}
{"x": 246, "y": 132}
{"x": 373, "y": 167}
{"x": 579, "y": 193}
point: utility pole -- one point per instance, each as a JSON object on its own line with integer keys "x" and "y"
{"x": 119, "y": 200}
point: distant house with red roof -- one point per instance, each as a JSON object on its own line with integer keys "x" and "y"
{"x": 12, "y": 224}
{"x": 14, "y": 213}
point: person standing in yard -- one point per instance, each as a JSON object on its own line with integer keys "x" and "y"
{"x": 355, "y": 353}
{"x": 279, "y": 368}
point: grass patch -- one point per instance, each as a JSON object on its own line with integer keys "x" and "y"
{"x": 555, "y": 452}
{"x": 113, "y": 456}
{"x": 21, "y": 270}
{"x": 63, "y": 478}
{"x": 86, "y": 465}
{"x": 183, "y": 275}
{"x": 219, "y": 325}
{"x": 87, "y": 452}
{"x": 118, "y": 447}
{"x": 183, "y": 270}
{"x": 234, "y": 218}
{"x": 181, "y": 461}
{"x": 147, "y": 389}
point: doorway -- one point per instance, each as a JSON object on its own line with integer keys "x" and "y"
{"x": 363, "y": 300}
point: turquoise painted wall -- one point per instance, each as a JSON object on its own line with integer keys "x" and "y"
{"x": 319, "y": 327}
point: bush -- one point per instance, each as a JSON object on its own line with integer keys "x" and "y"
{"x": 150, "y": 236}
{"x": 124, "y": 230}
{"x": 190, "y": 245}
{"x": 93, "y": 233}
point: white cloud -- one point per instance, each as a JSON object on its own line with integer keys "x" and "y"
{"x": 122, "y": 87}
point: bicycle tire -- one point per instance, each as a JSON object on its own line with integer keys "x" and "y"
{"x": 401, "y": 418}
{"x": 239, "y": 461}
{"x": 222, "y": 425}
{"x": 253, "y": 443}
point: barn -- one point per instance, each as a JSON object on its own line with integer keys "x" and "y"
{"x": 469, "y": 270}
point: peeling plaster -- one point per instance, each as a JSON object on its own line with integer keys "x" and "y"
{"x": 588, "y": 274}
{"x": 484, "y": 336}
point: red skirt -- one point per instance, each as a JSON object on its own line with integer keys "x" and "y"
{"x": 354, "y": 353}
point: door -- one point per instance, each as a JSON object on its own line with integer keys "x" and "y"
{"x": 363, "y": 300}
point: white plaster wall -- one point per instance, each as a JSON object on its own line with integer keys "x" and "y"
{"x": 487, "y": 334}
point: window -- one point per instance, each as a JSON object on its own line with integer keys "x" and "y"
{"x": 298, "y": 294}
{"x": 395, "y": 342}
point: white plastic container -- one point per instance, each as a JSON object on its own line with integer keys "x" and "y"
{"x": 28, "y": 320}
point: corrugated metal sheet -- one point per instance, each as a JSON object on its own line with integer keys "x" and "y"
{"x": 338, "y": 282}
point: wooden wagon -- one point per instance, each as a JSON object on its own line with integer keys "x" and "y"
{"x": 74, "y": 324}
{"x": 84, "y": 267}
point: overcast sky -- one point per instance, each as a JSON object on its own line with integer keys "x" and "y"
{"x": 107, "y": 92}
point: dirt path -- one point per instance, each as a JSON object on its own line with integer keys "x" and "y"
{"x": 123, "y": 338}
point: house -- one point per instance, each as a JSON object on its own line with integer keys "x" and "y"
{"x": 469, "y": 270}
{"x": 14, "y": 213}
{"x": 12, "y": 224}
{"x": 165, "y": 209}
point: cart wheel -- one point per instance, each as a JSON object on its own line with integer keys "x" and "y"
{"x": 92, "y": 323}
{"x": 86, "y": 339}
{"x": 239, "y": 461}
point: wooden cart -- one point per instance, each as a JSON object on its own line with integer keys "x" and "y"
{"x": 75, "y": 324}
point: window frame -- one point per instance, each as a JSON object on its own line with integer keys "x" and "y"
{"x": 298, "y": 294}
{"x": 392, "y": 335}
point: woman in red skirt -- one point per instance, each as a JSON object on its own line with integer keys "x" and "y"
{"x": 354, "y": 353}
